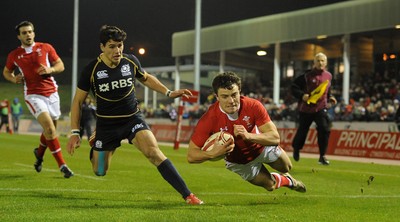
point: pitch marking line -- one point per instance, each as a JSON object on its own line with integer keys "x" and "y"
{"x": 63, "y": 190}
{"x": 52, "y": 170}
{"x": 209, "y": 193}
{"x": 330, "y": 169}
{"x": 305, "y": 195}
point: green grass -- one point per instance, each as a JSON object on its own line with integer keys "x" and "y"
{"x": 133, "y": 190}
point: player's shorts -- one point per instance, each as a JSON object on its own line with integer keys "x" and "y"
{"x": 110, "y": 132}
{"x": 251, "y": 169}
{"x": 38, "y": 104}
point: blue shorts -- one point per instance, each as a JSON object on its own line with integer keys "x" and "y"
{"x": 111, "y": 131}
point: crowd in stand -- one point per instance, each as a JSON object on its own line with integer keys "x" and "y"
{"x": 373, "y": 98}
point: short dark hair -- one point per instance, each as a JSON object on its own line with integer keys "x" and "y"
{"x": 108, "y": 32}
{"x": 226, "y": 80}
{"x": 23, "y": 24}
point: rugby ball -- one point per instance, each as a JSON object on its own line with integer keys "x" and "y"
{"x": 222, "y": 137}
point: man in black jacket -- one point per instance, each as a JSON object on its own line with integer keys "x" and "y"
{"x": 312, "y": 89}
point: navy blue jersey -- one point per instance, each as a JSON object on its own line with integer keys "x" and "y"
{"x": 113, "y": 88}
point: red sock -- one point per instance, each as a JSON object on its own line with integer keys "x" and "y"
{"x": 42, "y": 145}
{"x": 281, "y": 181}
{"x": 54, "y": 146}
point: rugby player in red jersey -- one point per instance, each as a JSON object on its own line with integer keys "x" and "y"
{"x": 37, "y": 62}
{"x": 256, "y": 138}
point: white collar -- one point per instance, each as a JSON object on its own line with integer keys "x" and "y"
{"x": 233, "y": 116}
{"x": 28, "y": 49}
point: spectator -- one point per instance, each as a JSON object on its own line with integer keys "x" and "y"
{"x": 16, "y": 112}
{"x": 4, "y": 115}
{"x": 87, "y": 118}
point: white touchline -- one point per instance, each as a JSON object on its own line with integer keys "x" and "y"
{"x": 62, "y": 190}
{"x": 361, "y": 196}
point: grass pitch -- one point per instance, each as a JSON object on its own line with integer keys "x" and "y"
{"x": 133, "y": 190}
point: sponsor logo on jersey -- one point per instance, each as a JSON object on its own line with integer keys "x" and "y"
{"x": 137, "y": 126}
{"x": 126, "y": 70}
{"x": 117, "y": 84}
{"x": 223, "y": 129}
{"x": 104, "y": 87}
{"x": 102, "y": 74}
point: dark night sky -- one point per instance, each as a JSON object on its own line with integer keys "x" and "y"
{"x": 149, "y": 23}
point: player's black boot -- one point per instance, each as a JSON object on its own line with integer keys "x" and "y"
{"x": 39, "y": 161}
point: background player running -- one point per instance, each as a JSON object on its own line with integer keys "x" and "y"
{"x": 38, "y": 62}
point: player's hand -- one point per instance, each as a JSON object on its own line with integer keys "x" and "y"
{"x": 180, "y": 93}
{"x": 73, "y": 143}
{"x": 305, "y": 97}
{"x": 44, "y": 70}
{"x": 229, "y": 145}
{"x": 223, "y": 149}
{"x": 19, "y": 79}
{"x": 240, "y": 130}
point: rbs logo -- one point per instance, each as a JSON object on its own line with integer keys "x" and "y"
{"x": 122, "y": 83}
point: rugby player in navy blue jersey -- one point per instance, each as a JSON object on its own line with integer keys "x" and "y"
{"x": 111, "y": 78}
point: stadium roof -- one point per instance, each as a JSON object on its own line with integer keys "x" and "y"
{"x": 334, "y": 19}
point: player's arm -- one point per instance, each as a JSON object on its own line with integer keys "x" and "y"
{"x": 10, "y": 76}
{"x": 76, "y": 109}
{"x": 196, "y": 155}
{"x": 153, "y": 83}
{"x": 297, "y": 88}
{"x": 268, "y": 134}
{"x": 56, "y": 67}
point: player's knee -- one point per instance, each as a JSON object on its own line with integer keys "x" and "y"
{"x": 49, "y": 132}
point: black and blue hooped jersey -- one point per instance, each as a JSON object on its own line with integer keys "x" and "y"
{"x": 113, "y": 88}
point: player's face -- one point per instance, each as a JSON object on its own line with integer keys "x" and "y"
{"x": 112, "y": 52}
{"x": 26, "y": 35}
{"x": 229, "y": 99}
{"x": 320, "y": 62}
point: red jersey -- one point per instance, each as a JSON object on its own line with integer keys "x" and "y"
{"x": 28, "y": 61}
{"x": 251, "y": 114}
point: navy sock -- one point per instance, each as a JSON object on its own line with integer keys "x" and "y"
{"x": 169, "y": 173}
